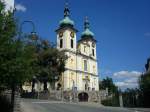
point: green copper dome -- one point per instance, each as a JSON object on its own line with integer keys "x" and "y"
{"x": 87, "y": 32}
{"x": 66, "y": 21}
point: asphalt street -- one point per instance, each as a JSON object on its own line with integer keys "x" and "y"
{"x": 29, "y": 105}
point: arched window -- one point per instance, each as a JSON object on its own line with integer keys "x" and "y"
{"x": 84, "y": 48}
{"x": 71, "y": 43}
{"x": 61, "y": 43}
{"x": 93, "y": 53}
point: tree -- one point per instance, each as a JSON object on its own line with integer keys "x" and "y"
{"x": 130, "y": 97}
{"x": 108, "y": 83}
{"x": 50, "y": 63}
{"x": 144, "y": 85}
{"x": 21, "y": 59}
{"x": 112, "y": 90}
{"x": 16, "y": 57}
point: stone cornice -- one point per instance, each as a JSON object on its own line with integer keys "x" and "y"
{"x": 66, "y": 27}
{"x": 78, "y": 53}
{"x": 79, "y": 71}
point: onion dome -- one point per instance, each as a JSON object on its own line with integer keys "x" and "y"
{"x": 87, "y": 32}
{"x": 66, "y": 21}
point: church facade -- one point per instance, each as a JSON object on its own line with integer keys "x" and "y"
{"x": 81, "y": 72}
{"x": 81, "y": 69}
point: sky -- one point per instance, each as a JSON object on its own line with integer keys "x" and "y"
{"x": 121, "y": 28}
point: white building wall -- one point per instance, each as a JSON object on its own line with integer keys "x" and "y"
{"x": 75, "y": 63}
{"x": 67, "y": 40}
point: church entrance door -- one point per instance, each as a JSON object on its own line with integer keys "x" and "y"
{"x": 83, "y": 97}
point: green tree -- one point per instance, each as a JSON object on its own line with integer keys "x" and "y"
{"x": 144, "y": 86}
{"x": 130, "y": 97}
{"x": 16, "y": 57}
{"x": 112, "y": 90}
{"x": 108, "y": 83}
{"x": 50, "y": 63}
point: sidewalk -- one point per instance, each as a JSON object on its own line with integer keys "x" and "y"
{"x": 140, "y": 109}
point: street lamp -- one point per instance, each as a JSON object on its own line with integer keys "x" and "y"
{"x": 33, "y": 33}
{"x": 34, "y": 37}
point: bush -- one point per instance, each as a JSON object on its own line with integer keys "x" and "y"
{"x": 114, "y": 101}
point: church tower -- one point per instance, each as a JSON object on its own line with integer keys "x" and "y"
{"x": 66, "y": 40}
{"x": 87, "y": 48}
{"x": 87, "y": 43}
{"x": 66, "y": 33}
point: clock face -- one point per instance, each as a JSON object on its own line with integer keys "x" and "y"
{"x": 72, "y": 34}
{"x": 93, "y": 45}
{"x": 60, "y": 34}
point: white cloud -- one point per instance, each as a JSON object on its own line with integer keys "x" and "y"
{"x": 9, "y": 4}
{"x": 106, "y": 72}
{"x": 124, "y": 85}
{"x": 126, "y": 79}
{"x": 20, "y": 7}
{"x": 147, "y": 34}
{"x": 126, "y": 74}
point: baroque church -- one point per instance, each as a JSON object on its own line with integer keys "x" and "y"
{"x": 81, "y": 72}
{"x": 81, "y": 67}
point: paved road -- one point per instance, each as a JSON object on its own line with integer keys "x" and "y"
{"x": 55, "y": 106}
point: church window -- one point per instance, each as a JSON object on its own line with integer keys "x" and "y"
{"x": 61, "y": 43}
{"x": 71, "y": 43}
{"x": 94, "y": 81}
{"x": 84, "y": 48}
{"x": 93, "y": 53}
{"x": 85, "y": 65}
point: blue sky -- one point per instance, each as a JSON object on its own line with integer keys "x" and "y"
{"x": 121, "y": 27}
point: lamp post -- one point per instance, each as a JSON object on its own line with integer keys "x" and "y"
{"x": 14, "y": 86}
{"x": 33, "y": 33}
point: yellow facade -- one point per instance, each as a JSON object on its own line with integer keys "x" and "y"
{"x": 81, "y": 66}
